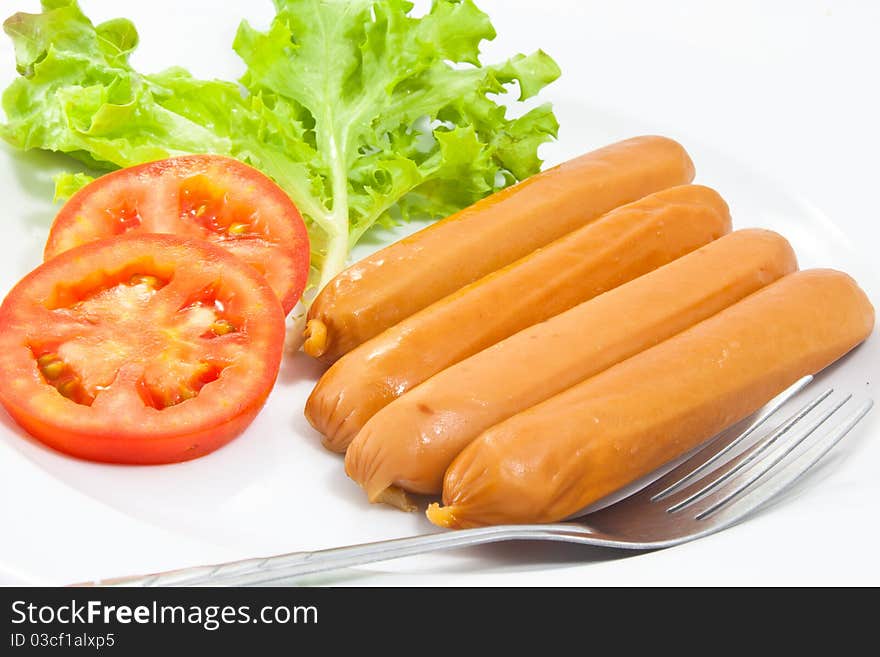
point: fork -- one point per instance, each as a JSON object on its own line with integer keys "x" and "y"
{"x": 716, "y": 487}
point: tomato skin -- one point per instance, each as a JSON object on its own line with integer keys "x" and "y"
{"x": 119, "y": 427}
{"x": 209, "y": 197}
{"x": 112, "y": 446}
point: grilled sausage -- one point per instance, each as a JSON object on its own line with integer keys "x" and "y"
{"x": 411, "y": 442}
{"x": 622, "y": 245}
{"x": 409, "y": 275}
{"x": 561, "y": 455}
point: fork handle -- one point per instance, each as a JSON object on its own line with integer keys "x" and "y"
{"x": 250, "y": 572}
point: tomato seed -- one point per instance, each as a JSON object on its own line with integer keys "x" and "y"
{"x": 69, "y": 388}
{"x": 53, "y": 370}
{"x": 238, "y": 229}
{"x": 144, "y": 279}
{"x": 222, "y": 327}
{"x": 45, "y": 359}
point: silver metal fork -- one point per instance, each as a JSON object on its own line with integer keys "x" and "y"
{"x": 735, "y": 473}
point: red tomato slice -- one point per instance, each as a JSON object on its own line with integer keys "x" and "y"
{"x": 214, "y": 198}
{"x": 139, "y": 349}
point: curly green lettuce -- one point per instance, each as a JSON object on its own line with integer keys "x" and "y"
{"x": 67, "y": 184}
{"x": 361, "y": 112}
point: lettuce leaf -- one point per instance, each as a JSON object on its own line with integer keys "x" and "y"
{"x": 68, "y": 184}
{"x": 363, "y": 113}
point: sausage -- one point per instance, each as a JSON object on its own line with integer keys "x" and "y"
{"x": 411, "y": 442}
{"x": 622, "y": 245}
{"x": 399, "y": 280}
{"x": 554, "y": 459}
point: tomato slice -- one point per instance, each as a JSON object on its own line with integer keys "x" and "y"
{"x": 211, "y": 197}
{"x": 139, "y": 349}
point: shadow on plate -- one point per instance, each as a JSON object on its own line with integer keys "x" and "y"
{"x": 35, "y": 172}
{"x": 299, "y": 367}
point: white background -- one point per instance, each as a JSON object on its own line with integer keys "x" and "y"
{"x": 787, "y": 89}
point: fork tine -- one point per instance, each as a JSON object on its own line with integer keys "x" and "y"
{"x": 788, "y": 473}
{"x": 717, "y": 449}
{"x": 759, "y": 450}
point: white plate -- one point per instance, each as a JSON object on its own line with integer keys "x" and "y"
{"x": 275, "y": 489}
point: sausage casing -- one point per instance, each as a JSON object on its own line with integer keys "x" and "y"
{"x": 403, "y": 278}
{"x": 411, "y": 442}
{"x": 622, "y": 245}
{"x": 551, "y": 461}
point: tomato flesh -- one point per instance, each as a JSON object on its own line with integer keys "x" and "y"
{"x": 210, "y": 197}
{"x": 139, "y": 349}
